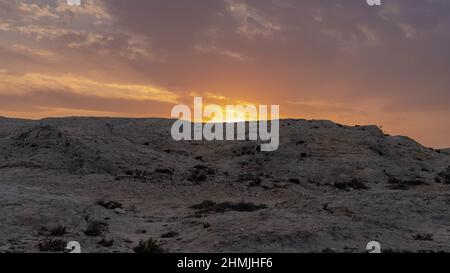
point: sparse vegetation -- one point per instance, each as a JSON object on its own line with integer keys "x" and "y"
{"x": 170, "y": 234}
{"x": 255, "y": 180}
{"x": 141, "y": 174}
{"x": 328, "y": 250}
{"x": 128, "y": 172}
{"x": 96, "y": 228}
{"x": 253, "y": 202}
{"x": 106, "y": 243}
{"x": 203, "y": 205}
{"x": 109, "y": 204}
{"x": 59, "y": 230}
{"x": 294, "y": 180}
{"x": 213, "y": 207}
{"x": 423, "y": 237}
{"x": 52, "y": 245}
{"x": 200, "y": 173}
{"x": 164, "y": 170}
{"x": 398, "y": 184}
{"x": 149, "y": 246}
{"x": 354, "y": 184}
{"x": 304, "y": 155}
{"x": 395, "y": 251}
{"x": 138, "y": 174}
{"x": 247, "y": 177}
{"x": 55, "y": 231}
{"x": 247, "y": 150}
{"x": 255, "y": 183}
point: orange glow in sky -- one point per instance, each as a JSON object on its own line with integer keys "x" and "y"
{"x": 347, "y": 62}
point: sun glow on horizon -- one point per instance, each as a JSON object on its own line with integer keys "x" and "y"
{"x": 215, "y": 113}
{"x": 233, "y": 116}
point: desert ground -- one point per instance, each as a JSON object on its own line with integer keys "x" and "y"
{"x": 111, "y": 183}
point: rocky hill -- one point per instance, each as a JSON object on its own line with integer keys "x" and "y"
{"x": 111, "y": 183}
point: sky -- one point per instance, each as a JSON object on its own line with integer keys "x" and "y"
{"x": 339, "y": 60}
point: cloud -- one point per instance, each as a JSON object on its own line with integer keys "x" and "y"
{"x": 223, "y": 52}
{"x": 251, "y": 21}
{"x": 36, "y": 12}
{"x": 90, "y": 8}
{"x": 41, "y": 53}
{"x": 410, "y": 31}
{"x": 28, "y": 83}
{"x": 89, "y": 27}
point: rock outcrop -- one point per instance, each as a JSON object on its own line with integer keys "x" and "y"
{"x": 328, "y": 187}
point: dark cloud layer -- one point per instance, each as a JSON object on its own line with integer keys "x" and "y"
{"x": 395, "y": 51}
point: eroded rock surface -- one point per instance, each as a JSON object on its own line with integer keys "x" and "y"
{"x": 110, "y": 183}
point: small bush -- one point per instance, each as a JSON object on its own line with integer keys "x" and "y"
{"x": 203, "y": 205}
{"x": 250, "y": 150}
{"x": 303, "y": 155}
{"x": 110, "y": 204}
{"x": 211, "y": 207}
{"x": 294, "y": 180}
{"x": 141, "y": 174}
{"x": 244, "y": 206}
{"x": 200, "y": 173}
{"x": 170, "y": 234}
{"x": 353, "y": 184}
{"x": 300, "y": 142}
{"x": 397, "y": 184}
{"x": 256, "y": 181}
{"x": 106, "y": 243}
{"x": 128, "y": 172}
{"x": 53, "y": 245}
{"x": 423, "y": 237}
{"x": 96, "y": 228}
{"x": 58, "y": 231}
{"x": 138, "y": 174}
{"x": 395, "y": 251}
{"x": 164, "y": 171}
{"x": 328, "y": 250}
{"x": 149, "y": 246}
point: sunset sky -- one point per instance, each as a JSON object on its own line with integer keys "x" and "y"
{"x": 318, "y": 59}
